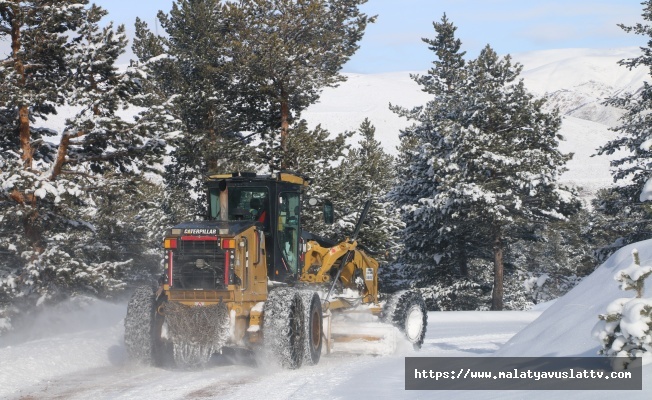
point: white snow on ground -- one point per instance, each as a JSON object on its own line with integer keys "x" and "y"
{"x": 56, "y": 358}
{"x": 89, "y": 362}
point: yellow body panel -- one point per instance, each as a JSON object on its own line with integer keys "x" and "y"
{"x": 319, "y": 261}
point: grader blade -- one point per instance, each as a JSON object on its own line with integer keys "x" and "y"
{"x": 372, "y": 338}
{"x": 359, "y": 332}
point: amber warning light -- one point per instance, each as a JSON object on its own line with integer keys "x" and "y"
{"x": 228, "y": 243}
{"x": 170, "y": 243}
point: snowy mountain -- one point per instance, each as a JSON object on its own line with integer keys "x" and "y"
{"x": 576, "y": 81}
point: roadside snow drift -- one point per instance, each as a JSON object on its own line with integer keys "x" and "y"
{"x": 564, "y": 329}
{"x": 76, "y": 335}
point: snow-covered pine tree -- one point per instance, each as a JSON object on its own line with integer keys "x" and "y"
{"x": 49, "y": 224}
{"x": 367, "y": 172}
{"x": 34, "y": 76}
{"x": 487, "y": 162}
{"x": 291, "y": 50}
{"x": 625, "y": 331}
{"x": 190, "y": 70}
{"x": 622, "y": 208}
{"x": 635, "y": 138}
{"x": 97, "y": 135}
{"x": 512, "y": 173}
{"x": 422, "y": 146}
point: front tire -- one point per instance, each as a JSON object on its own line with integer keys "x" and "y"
{"x": 314, "y": 328}
{"x": 407, "y": 311}
{"x": 196, "y": 332}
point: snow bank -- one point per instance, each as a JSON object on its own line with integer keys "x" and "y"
{"x": 76, "y": 335}
{"x": 564, "y": 329}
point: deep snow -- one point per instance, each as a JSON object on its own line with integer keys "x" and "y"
{"x": 57, "y": 359}
{"x": 89, "y": 361}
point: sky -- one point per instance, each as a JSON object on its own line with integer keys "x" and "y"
{"x": 394, "y": 43}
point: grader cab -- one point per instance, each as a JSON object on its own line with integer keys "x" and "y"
{"x": 249, "y": 276}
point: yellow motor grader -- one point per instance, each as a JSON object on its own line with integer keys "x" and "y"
{"x": 250, "y": 277}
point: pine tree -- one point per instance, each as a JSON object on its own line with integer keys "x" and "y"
{"x": 621, "y": 210}
{"x": 447, "y": 72}
{"x": 426, "y": 144}
{"x": 291, "y": 50}
{"x": 34, "y": 74}
{"x": 368, "y": 173}
{"x": 97, "y": 135}
{"x": 190, "y": 73}
{"x": 49, "y": 224}
{"x": 634, "y": 133}
{"x": 624, "y": 331}
{"x": 440, "y": 255}
{"x": 516, "y": 161}
{"x": 33, "y": 77}
{"x": 486, "y": 162}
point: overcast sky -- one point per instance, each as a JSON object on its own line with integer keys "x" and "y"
{"x": 393, "y": 43}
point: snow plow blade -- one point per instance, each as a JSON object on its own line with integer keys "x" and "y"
{"x": 354, "y": 337}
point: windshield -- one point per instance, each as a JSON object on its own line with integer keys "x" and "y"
{"x": 240, "y": 204}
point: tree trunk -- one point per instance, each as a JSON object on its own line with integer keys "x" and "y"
{"x": 463, "y": 259}
{"x": 285, "y": 127}
{"x": 62, "y": 152}
{"x": 497, "y": 295}
{"x": 25, "y": 137}
{"x": 211, "y": 156}
{"x": 23, "y": 109}
{"x": 32, "y": 232}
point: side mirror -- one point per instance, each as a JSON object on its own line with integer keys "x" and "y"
{"x": 328, "y": 212}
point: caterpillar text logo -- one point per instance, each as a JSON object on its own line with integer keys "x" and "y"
{"x": 200, "y": 232}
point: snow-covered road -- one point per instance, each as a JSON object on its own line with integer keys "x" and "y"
{"x": 76, "y": 351}
{"x": 79, "y": 355}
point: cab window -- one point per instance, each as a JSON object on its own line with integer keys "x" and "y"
{"x": 240, "y": 203}
{"x": 288, "y": 229}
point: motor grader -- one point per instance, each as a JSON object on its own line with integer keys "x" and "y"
{"x": 249, "y": 277}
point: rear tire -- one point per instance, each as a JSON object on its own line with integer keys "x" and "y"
{"x": 140, "y": 326}
{"x": 314, "y": 328}
{"x": 407, "y": 311}
{"x": 283, "y": 327}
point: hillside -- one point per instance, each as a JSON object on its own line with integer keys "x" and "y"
{"x": 574, "y": 80}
